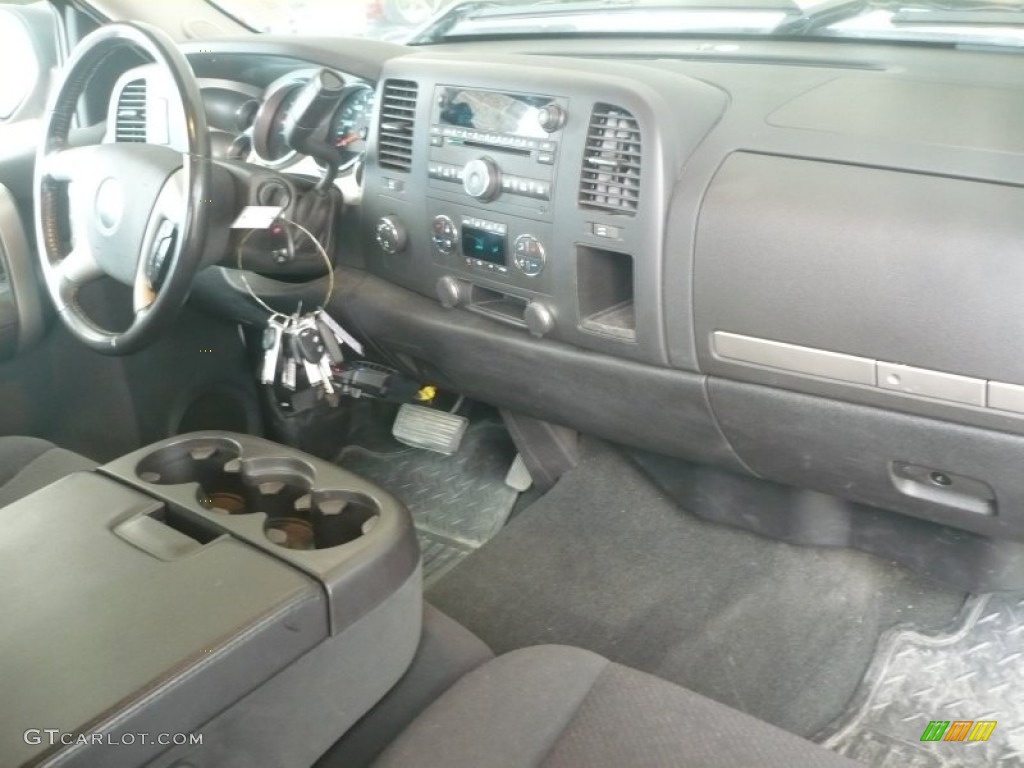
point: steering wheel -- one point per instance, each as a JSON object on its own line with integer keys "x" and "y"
{"x": 135, "y": 211}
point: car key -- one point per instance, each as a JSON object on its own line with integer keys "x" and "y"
{"x": 289, "y": 373}
{"x": 272, "y": 342}
{"x": 310, "y": 345}
{"x": 330, "y": 341}
{"x": 343, "y": 336}
{"x": 305, "y": 349}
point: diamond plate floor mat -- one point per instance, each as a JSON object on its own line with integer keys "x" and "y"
{"x": 928, "y": 701}
{"x": 458, "y": 502}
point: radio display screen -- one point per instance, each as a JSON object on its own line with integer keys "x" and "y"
{"x": 492, "y": 111}
{"x": 483, "y": 245}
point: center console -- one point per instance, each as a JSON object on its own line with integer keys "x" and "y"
{"x": 213, "y": 584}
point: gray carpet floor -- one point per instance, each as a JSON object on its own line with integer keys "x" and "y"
{"x": 604, "y": 561}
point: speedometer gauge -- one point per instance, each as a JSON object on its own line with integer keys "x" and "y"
{"x": 351, "y": 123}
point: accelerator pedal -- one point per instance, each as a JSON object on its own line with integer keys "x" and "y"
{"x": 429, "y": 429}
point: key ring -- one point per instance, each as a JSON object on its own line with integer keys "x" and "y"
{"x": 323, "y": 252}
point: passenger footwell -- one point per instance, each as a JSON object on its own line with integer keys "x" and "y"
{"x": 929, "y": 700}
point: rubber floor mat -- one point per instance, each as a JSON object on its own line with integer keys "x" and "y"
{"x": 973, "y": 673}
{"x": 457, "y": 502}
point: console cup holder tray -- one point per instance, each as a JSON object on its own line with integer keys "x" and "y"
{"x": 351, "y": 535}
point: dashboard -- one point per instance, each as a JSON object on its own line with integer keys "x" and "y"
{"x": 794, "y": 260}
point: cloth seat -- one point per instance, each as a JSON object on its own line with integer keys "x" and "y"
{"x": 28, "y": 463}
{"x": 558, "y": 707}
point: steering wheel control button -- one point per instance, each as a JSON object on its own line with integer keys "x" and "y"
{"x": 481, "y": 179}
{"x": 390, "y": 235}
{"x": 528, "y": 255}
{"x": 444, "y": 234}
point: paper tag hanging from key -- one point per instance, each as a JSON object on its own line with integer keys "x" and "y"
{"x": 257, "y": 217}
{"x": 272, "y": 342}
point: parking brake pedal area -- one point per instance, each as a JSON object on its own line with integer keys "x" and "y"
{"x": 938, "y": 701}
{"x": 458, "y": 501}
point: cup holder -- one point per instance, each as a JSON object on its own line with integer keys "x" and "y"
{"x": 323, "y": 519}
{"x": 298, "y": 517}
{"x": 192, "y": 461}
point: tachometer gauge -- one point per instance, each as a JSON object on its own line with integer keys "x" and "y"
{"x": 268, "y": 139}
{"x": 351, "y": 123}
{"x": 276, "y": 145}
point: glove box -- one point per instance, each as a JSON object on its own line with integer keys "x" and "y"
{"x": 166, "y": 595}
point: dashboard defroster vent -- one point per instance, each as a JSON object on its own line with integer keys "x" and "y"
{"x": 397, "y": 118}
{"x": 131, "y": 112}
{"x": 610, "y": 180}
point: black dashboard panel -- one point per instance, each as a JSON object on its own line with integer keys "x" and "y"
{"x": 819, "y": 228}
{"x": 915, "y": 269}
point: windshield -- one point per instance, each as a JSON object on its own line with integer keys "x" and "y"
{"x": 422, "y": 22}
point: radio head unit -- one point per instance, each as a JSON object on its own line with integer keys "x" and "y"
{"x": 492, "y": 143}
{"x": 496, "y": 113}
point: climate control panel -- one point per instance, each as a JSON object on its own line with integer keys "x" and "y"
{"x": 487, "y": 246}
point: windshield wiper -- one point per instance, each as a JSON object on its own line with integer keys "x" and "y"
{"x": 442, "y": 27}
{"x": 821, "y": 16}
{"x": 971, "y": 18}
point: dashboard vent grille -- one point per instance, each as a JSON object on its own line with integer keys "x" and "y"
{"x": 397, "y": 117}
{"x": 610, "y": 180}
{"x": 131, "y": 112}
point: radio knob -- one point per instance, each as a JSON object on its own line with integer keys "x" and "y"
{"x": 390, "y": 234}
{"x": 539, "y": 319}
{"x": 551, "y": 118}
{"x": 452, "y": 293}
{"x": 481, "y": 178}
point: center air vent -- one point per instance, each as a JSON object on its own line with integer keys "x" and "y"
{"x": 131, "y": 112}
{"x": 610, "y": 180}
{"x": 397, "y": 117}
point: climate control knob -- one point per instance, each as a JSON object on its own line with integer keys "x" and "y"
{"x": 444, "y": 234}
{"x": 528, "y": 255}
{"x": 481, "y": 178}
{"x": 390, "y": 234}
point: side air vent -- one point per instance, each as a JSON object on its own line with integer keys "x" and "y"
{"x": 131, "y": 112}
{"x": 610, "y": 180}
{"x": 397, "y": 117}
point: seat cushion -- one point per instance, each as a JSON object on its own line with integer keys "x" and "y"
{"x": 28, "y": 463}
{"x": 558, "y": 706}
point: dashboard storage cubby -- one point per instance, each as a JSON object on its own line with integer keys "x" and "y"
{"x": 604, "y": 292}
{"x": 194, "y": 587}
